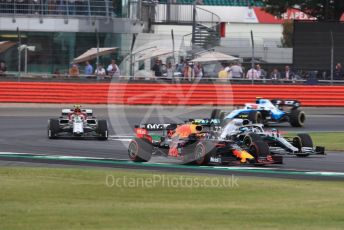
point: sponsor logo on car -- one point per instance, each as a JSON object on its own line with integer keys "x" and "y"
{"x": 215, "y": 159}
{"x": 156, "y": 126}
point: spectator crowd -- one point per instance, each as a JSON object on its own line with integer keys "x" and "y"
{"x": 184, "y": 70}
{"x": 189, "y": 71}
{"x": 237, "y": 71}
{"x": 70, "y": 7}
{"x": 88, "y": 71}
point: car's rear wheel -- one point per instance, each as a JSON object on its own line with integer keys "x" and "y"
{"x": 102, "y": 130}
{"x": 255, "y": 117}
{"x": 297, "y": 118}
{"x": 53, "y": 128}
{"x": 140, "y": 150}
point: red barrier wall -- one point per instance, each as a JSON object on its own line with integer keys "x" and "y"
{"x": 166, "y": 94}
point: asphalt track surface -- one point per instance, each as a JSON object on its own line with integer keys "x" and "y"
{"x": 24, "y": 131}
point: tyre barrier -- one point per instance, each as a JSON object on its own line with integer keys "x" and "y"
{"x": 165, "y": 94}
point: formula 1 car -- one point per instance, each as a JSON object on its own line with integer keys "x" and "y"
{"x": 200, "y": 148}
{"x": 77, "y": 123}
{"x": 300, "y": 145}
{"x": 267, "y": 112}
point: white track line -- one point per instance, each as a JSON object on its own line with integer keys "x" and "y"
{"x": 313, "y": 173}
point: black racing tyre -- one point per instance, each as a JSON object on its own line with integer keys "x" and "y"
{"x": 102, "y": 130}
{"x": 215, "y": 114}
{"x": 297, "y": 118}
{"x": 53, "y": 128}
{"x": 259, "y": 149}
{"x": 297, "y": 142}
{"x": 302, "y": 140}
{"x": 202, "y": 153}
{"x": 140, "y": 150}
{"x": 250, "y": 138}
{"x": 255, "y": 117}
{"x": 306, "y": 140}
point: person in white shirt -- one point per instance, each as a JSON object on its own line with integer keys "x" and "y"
{"x": 288, "y": 74}
{"x": 100, "y": 72}
{"x": 252, "y": 74}
{"x": 261, "y": 72}
{"x": 169, "y": 71}
{"x": 113, "y": 70}
{"x": 199, "y": 73}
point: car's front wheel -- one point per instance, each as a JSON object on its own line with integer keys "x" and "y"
{"x": 201, "y": 154}
{"x": 250, "y": 138}
{"x": 259, "y": 149}
{"x": 302, "y": 140}
{"x": 102, "y": 130}
{"x": 53, "y": 128}
{"x": 203, "y": 151}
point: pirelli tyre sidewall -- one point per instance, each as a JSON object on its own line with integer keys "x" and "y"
{"x": 250, "y": 138}
{"x": 259, "y": 149}
{"x": 53, "y": 128}
{"x": 302, "y": 140}
{"x": 140, "y": 150}
{"x": 102, "y": 130}
{"x": 202, "y": 152}
{"x": 297, "y": 118}
{"x": 306, "y": 140}
{"x": 297, "y": 142}
{"x": 255, "y": 117}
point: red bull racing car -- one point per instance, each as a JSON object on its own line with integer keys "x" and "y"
{"x": 195, "y": 143}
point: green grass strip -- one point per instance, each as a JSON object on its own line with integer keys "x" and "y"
{"x": 83, "y": 199}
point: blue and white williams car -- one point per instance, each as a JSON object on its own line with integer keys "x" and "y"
{"x": 267, "y": 112}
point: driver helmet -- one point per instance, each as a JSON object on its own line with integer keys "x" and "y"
{"x": 77, "y": 108}
{"x": 258, "y": 100}
{"x": 274, "y": 132}
{"x": 243, "y": 129}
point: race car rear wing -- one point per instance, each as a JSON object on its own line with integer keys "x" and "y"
{"x": 172, "y": 126}
{"x": 283, "y": 102}
{"x": 156, "y": 126}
